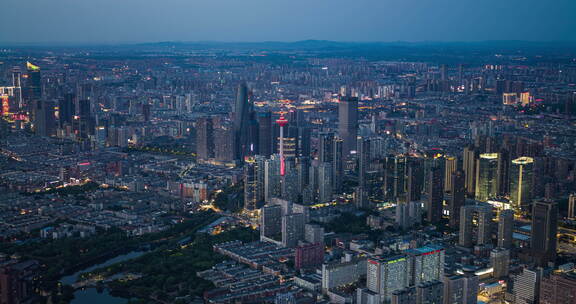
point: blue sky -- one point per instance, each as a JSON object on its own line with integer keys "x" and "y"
{"x": 114, "y": 21}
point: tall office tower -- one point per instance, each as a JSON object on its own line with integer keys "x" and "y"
{"x": 475, "y": 225}
{"x": 66, "y": 110}
{"x": 500, "y": 261}
{"x": 521, "y": 182}
{"x": 460, "y": 73}
{"x": 387, "y": 275}
{"x": 450, "y": 166}
{"x": 469, "y": 157}
{"x": 395, "y": 177}
{"x": 265, "y": 133}
{"x": 504, "y": 163}
{"x": 272, "y": 184}
{"x": 572, "y": 206}
{"x": 33, "y": 84}
{"x": 348, "y": 123}
{"x": 431, "y": 292}
{"x": 458, "y": 197}
{"x": 425, "y": 264}
{"x": 282, "y": 122}
{"x": 271, "y": 221}
{"x": 292, "y": 229}
{"x": 242, "y": 111}
{"x": 224, "y": 143}
{"x": 527, "y": 286}
{"x": 403, "y": 215}
{"x": 403, "y": 296}
{"x": 325, "y": 147}
{"x": 363, "y": 162}
{"x": 505, "y": 229}
{"x": 337, "y": 165}
{"x": 84, "y": 118}
{"x": 289, "y": 182}
{"x": 443, "y": 72}
{"x": 304, "y": 142}
{"x": 303, "y": 168}
{"x": 314, "y": 234}
{"x": 325, "y": 182}
{"x": 435, "y": 196}
{"x": 253, "y": 182}
{"x": 544, "y": 229}
{"x": 205, "y": 138}
{"x": 44, "y": 119}
{"x": 415, "y": 178}
{"x": 487, "y": 177}
{"x": 461, "y": 289}
{"x": 558, "y": 288}
{"x": 17, "y": 84}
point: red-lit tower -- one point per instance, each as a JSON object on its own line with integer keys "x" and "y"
{"x": 282, "y": 121}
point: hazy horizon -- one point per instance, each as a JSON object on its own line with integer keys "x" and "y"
{"x": 145, "y": 21}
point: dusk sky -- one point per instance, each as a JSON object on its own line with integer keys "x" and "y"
{"x": 114, "y": 21}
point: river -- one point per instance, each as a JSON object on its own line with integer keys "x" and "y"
{"x": 91, "y": 295}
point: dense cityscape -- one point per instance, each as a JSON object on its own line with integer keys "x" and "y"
{"x": 303, "y": 172}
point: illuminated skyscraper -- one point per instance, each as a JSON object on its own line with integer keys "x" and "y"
{"x": 348, "y": 123}
{"x": 487, "y": 177}
{"x": 572, "y": 206}
{"x": 33, "y": 84}
{"x": 521, "y": 182}
{"x": 500, "y": 260}
{"x": 469, "y": 167}
{"x": 450, "y": 167}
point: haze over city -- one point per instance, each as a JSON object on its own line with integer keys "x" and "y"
{"x": 129, "y": 21}
{"x": 287, "y": 152}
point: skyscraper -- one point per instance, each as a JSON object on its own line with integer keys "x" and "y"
{"x": 435, "y": 195}
{"x": 558, "y": 288}
{"x": 458, "y": 197}
{"x": 487, "y": 177}
{"x": 505, "y": 229}
{"x": 272, "y": 185}
{"x": 253, "y": 182}
{"x": 544, "y": 229}
{"x": 461, "y": 289}
{"x": 425, "y": 264}
{"x": 572, "y": 206}
{"x": 500, "y": 260}
{"x": 363, "y": 162}
{"x": 292, "y": 229}
{"x": 242, "y": 115}
{"x": 205, "y": 138}
{"x": 387, "y": 275}
{"x": 33, "y": 84}
{"x": 450, "y": 166}
{"x": 265, "y": 133}
{"x": 337, "y": 165}
{"x": 527, "y": 286}
{"x": 521, "y": 182}
{"x": 271, "y": 221}
{"x": 415, "y": 178}
{"x": 469, "y": 167}
{"x": 325, "y": 182}
{"x": 348, "y": 123}
{"x": 475, "y": 224}
{"x": 431, "y": 292}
